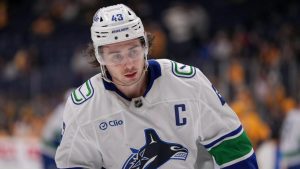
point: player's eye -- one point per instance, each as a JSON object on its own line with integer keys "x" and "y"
{"x": 132, "y": 53}
{"x": 116, "y": 58}
{"x": 135, "y": 52}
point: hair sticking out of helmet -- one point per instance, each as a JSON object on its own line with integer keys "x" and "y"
{"x": 114, "y": 24}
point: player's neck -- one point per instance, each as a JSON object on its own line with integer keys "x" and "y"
{"x": 135, "y": 90}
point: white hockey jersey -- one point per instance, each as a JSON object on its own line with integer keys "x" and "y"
{"x": 181, "y": 122}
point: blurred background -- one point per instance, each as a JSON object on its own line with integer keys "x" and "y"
{"x": 249, "y": 49}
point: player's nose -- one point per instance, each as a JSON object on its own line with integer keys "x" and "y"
{"x": 129, "y": 63}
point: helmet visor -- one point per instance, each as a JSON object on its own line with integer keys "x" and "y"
{"x": 119, "y": 57}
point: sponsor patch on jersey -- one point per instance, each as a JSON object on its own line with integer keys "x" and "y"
{"x": 154, "y": 153}
{"x": 182, "y": 70}
{"x": 112, "y": 123}
{"x": 83, "y": 93}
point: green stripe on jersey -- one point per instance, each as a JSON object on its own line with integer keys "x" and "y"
{"x": 232, "y": 149}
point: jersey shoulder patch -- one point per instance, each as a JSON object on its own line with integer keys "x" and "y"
{"x": 182, "y": 70}
{"x": 82, "y": 93}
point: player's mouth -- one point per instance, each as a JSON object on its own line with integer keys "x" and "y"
{"x": 130, "y": 75}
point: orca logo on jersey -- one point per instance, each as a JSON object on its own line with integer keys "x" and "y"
{"x": 154, "y": 153}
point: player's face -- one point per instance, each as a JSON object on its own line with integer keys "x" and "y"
{"x": 125, "y": 61}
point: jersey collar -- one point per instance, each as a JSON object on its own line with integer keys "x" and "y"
{"x": 154, "y": 70}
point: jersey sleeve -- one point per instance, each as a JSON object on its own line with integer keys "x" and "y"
{"x": 220, "y": 131}
{"x": 75, "y": 150}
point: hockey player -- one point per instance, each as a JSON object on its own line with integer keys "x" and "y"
{"x": 290, "y": 139}
{"x": 51, "y": 134}
{"x": 138, "y": 113}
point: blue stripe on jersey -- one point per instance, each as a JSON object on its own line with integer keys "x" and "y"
{"x": 154, "y": 73}
{"x": 249, "y": 163}
{"x": 154, "y": 70}
{"x": 236, "y": 131}
{"x": 112, "y": 87}
{"x": 294, "y": 167}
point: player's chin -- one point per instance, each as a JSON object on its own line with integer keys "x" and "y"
{"x": 130, "y": 81}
